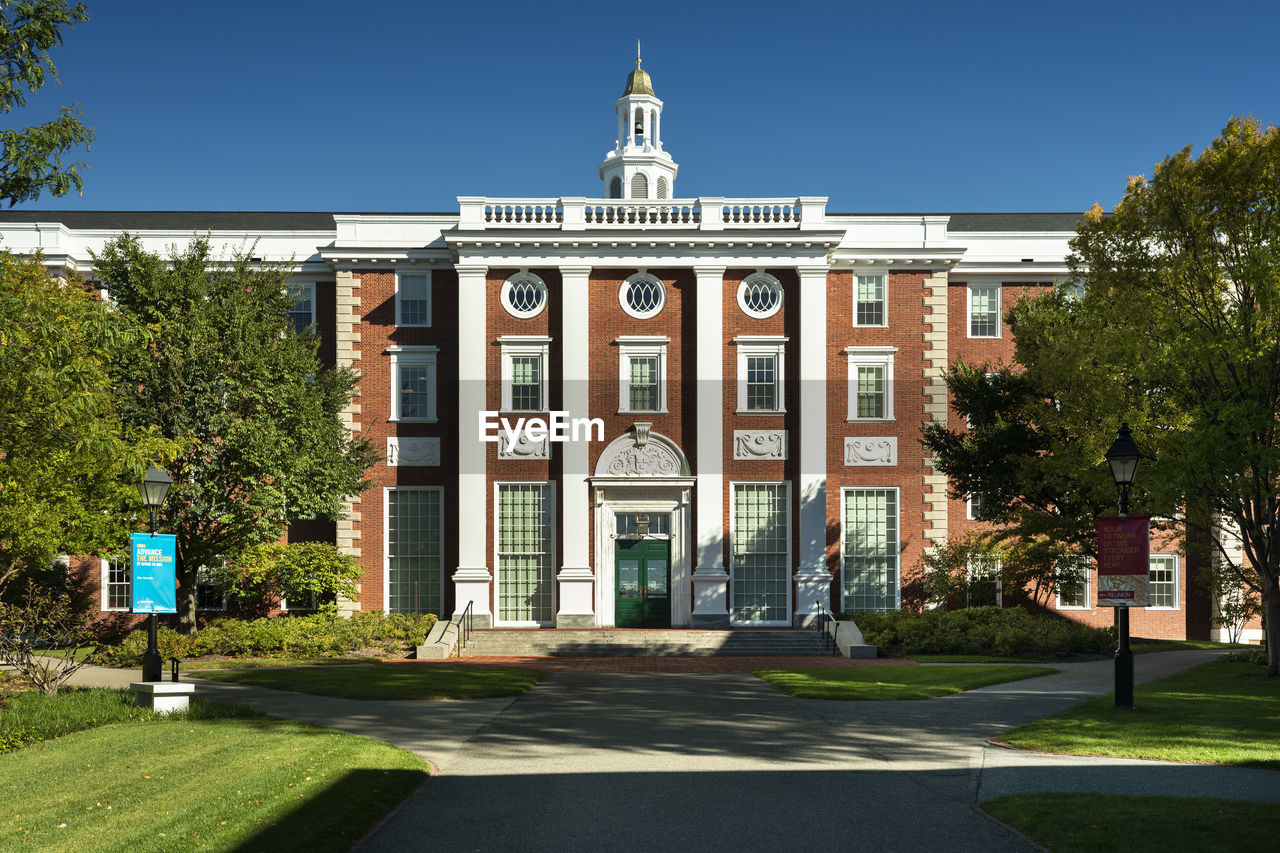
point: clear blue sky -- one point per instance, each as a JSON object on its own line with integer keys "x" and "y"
{"x": 882, "y": 106}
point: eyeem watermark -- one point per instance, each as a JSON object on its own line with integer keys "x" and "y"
{"x": 557, "y": 426}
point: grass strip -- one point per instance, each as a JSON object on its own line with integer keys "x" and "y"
{"x": 392, "y": 681}
{"x": 971, "y": 659}
{"x": 893, "y": 682}
{"x": 1149, "y": 646}
{"x": 1218, "y": 713}
{"x": 196, "y": 664}
{"x": 1075, "y": 823}
{"x": 240, "y": 784}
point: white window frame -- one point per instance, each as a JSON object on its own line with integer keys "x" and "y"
{"x": 105, "y": 587}
{"x": 221, "y": 606}
{"x": 295, "y": 290}
{"x": 762, "y": 345}
{"x": 524, "y": 346}
{"x": 997, "y": 568}
{"x": 969, "y": 514}
{"x": 871, "y": 357}
{"x": 552, "y": 520}
{"x": 641, "y": 346}
{"x": 505, "y": 295}
{"x": 386, "y": 541}
{"x": 415, "y": 355}
{"x": 884, "y": 299}
{"x": 1086, "y": 584}
{"x": 969, "y": 293}
{"x": 897, "y": 541}
{"x": 790, "y": 539}
{"x": 1176, "y": 598}
{"x": 760, "y": 277}
{"x": 626, "y": 286}
{"x": 400, "y": 274}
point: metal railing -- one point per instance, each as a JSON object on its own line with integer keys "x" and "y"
{"x": 466, "y": 624}
{"x": 824, "y": 621}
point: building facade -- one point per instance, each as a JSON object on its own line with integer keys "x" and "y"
{"x": 742, "y": 380}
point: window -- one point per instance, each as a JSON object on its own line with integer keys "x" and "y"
{"x": 625, "y": 523}
{"x": 760, "y": 558}
{"x": 413, "y": 383}
{"x": 413, "y": 298}
{"x": 415, "y": 551}
{"x": 117, "y": 591}
{"x": 525, "y": 560}
{"x": 975, "y": 506}
{"x": 760, "y": 295}
{"x": 869, "y": 550}
{"x": 524, "y": 373}
{"x": 1162, "y": 586}
{"x": 642, "y": 374}
{"x": 642, "y": 296}
{"x": 870, "y": 383}
{"x": 524, "y": 295}
{"x": 302, "y": 315}
{"x": 1073, "y": 583}
{"x": 760, "y": 374}
{"x": 869, "y": 302}
{"x": 984, "y": 310}
{"x": 208, "y": 596}
{"x": 984, "y": 588}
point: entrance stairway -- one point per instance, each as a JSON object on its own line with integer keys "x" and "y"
{"x": 610, "y": 642}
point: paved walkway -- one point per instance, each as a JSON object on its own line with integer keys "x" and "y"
{"x": 721, "y": 761}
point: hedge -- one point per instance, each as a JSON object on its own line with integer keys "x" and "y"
{"x": 980, "y": 631}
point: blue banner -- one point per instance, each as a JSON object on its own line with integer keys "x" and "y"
{"x": 155, "y": 579}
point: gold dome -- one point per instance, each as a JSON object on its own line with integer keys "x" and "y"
{"x": 638, "y": 82}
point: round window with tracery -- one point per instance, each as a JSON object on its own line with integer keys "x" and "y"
{"x": 642, "y": 296}
{"x": 760, "y": 295}
{"x": 524, "y": 295}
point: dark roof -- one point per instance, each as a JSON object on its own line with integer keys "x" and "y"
{"x": 1014, "y": 221}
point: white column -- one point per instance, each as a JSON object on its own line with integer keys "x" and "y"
{"x": 575, "y": 578}
{"x": 472, "y": 579}
{"x": 813, "y": 580}
{"x": 710, "y": 580}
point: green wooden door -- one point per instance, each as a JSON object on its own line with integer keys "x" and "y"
{"x": 643, "y": 583}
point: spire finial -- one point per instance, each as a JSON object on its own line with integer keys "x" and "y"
{"x": 637, "y": 53}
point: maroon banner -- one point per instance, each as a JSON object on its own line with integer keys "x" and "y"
{"x": 1124, "y": 552}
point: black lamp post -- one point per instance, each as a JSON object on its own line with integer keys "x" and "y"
{"x": 153, "y": 487}
{"x": 1123, "y": 457}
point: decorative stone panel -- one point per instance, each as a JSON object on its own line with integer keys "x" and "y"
{"x": 759, "y": 444}
{"x": 523, "y": 448}
{"x": 404, "y": 452}
{"x": 871, "y": 451}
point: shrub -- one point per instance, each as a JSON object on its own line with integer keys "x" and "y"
{"x": 980, "y": 630}
{"x": 41, "y": 619}
{"x": 301, "y": 636}
{"x": 1256, "y": 656}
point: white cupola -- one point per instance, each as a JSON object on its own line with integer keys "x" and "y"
{"x": 637, "y": 167}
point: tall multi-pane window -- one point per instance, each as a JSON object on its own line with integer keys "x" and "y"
{"x": 643, "y": 362}
{"x": 117, "y": 586}
{"x": 984, "y": 581}
{"x": 984, "y": 310}
{"x": 1073, "y": 582}
{"x": 413, "y": 383}
{"x": 762, "y": 383}
{"x": 524, "y": 372}
{"x": 870, "y": 382}
{"x": 643, "y": 386}
{"x": 870, "y": 552}
{"x": 760, "y": 373}
{"x": 1162, "y": 584}
{"x": 415, "y": 551}
{"x": 869, "y": 301}
{"x": 526, "y": 574}
{"x": 526, "y": 383}
{"x": 760, "y": 560}
{"x": 413, "y": 299}
{"x": 303, "y": 313}
{"x": 871, "y": 390}
{"x": 209, "y": 596}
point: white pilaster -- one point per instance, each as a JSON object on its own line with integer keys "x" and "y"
{"x": 575, "y": 578}
{"x": 472, "y": 580}
{"x": 710, "y": 580}
{"x": 813, "y": 580}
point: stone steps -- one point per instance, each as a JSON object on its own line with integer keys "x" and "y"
{"x": 500, "y": 642}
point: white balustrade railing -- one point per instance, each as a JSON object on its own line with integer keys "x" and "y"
{"x": 702, "y": 214}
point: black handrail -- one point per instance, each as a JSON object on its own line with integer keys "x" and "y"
{"x": 823, "y": 622}
{"x": 466, "y": 624}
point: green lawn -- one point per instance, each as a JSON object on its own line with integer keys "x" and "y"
{"x": 893, "y": 682}
{"x": 1071, "y": 823}
{"x": 391, "y": 681}
{"x": 1142, "y": 648}
{"x": 197, "y": 664}
{"x": 970, "y": 659}
{"x": 1219, "y": 713}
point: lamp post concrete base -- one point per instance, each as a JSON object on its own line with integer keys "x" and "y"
{"x": 163, "y": 697}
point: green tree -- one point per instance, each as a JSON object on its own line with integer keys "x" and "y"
{"x": 67, "y": 462}
{"x": 32, "y": 164}
{"x": 228, "y": 377}
{"x": 299, "y": 573}
{"x": 1175, "y": 328}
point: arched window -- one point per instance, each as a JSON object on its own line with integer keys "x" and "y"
{"x": 664, "y": 191}
{"x": 760, "y": 295}
{"x": 639, "y": 186}
{"x": 642, "y": 296}
{"x": 615, "y": 187}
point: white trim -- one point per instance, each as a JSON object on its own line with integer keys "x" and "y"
{"x": 552, "y": 512}
{"x": 524, "y": 346}
{"x": 404, "y": 356}
{"x": 968, "y": 318}
{"x": 758, "y": 345}
{"x": 897, "y": 551}
{"x": 968, "y": 509}
{"x": 870, "y": 357}
{"x": 505, "y": 295}
{"x": 789, "y": 567}
{"x": 658, "y": 497}
{"x": 1177, "y": 599}
{"x": 104, "y": 588}
{"x": 626, "y": 286}
{"x": 400, "y": 274}
{"x": 760, "y": 277}
{"x": 386, "y": 542}
{"x": 883, "y": 275}
{"x": 641, "y": 346}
